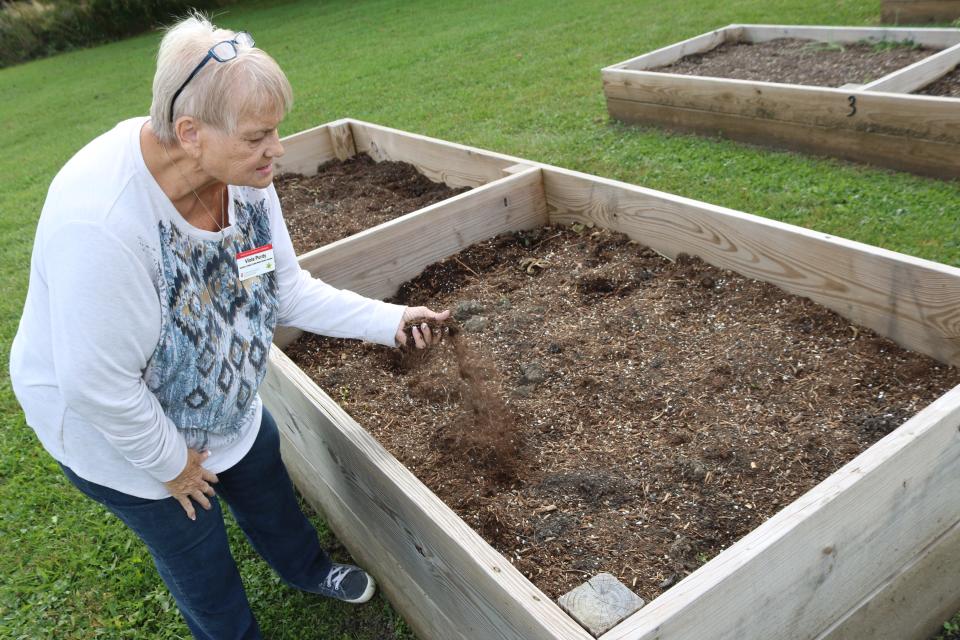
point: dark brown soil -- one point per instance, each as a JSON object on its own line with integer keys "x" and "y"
{"x": 346, "y": 197}
{"x": 948, "y": 85}
{"x": 794, "y": 61}
{"x": 657, "y": 411}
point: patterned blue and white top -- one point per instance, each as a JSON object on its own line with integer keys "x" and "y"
{"x": 138, "y": 338}
{"x": 215, "y": 329}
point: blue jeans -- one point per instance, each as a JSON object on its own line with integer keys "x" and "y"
{"x": 193, "y": 557}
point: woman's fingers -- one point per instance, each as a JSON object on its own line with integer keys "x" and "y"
{"x": 413, "y": 314}
{"x": 187, "y": 506}
{"x": 209, "y": 476}
{"x": 421, "y": 333}
{"x": 201, "y": 499}
{"x": 418, "y": 335}
{"x": 427, "y": 333}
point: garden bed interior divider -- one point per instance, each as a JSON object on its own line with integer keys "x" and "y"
{"x": 873, "y": 551}
{"x": 879, "y": 123}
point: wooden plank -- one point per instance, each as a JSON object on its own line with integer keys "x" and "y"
{"x": 933, "y": 38}
{"x": 918, "y": 11}
{"x": 914, "y": 602}
{"x": 306, "y": 150}
{"x": 919, "y": 74}
{"x": 443, "y": 578}
{"x": 917, "y": 155}
{"x": 377, "y": 261}
{"x": 283, "y": 336}
{"x": 516, "y": 168}
{"x": 914, "y": 302}
{"x": 670, "y": 54}
{"x": 797, "y": 573}
{"x": 405, "y": 595}
{"x": 342, "y": 140}
{"x": 453, "y": 164}
{"x": 930, "y": 117}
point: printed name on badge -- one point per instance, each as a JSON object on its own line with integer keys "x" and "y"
{"x": 255, "y": 262}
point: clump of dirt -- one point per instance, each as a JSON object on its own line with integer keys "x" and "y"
{"x": 348, "y": 196}
{"x": 796, "y": 61}
{"x": 485, "y": 432}
{"x": 661, "y": 409}
{"x": 948, "y": 85}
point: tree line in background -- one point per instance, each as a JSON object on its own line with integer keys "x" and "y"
{"x": 32, "y": 29}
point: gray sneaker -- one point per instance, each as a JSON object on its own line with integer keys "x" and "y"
{"x": 348, "y": 583}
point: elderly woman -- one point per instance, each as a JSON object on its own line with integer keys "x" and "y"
{"x": 160, "y": 269}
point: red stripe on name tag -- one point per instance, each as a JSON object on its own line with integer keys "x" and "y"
{"x": 250, "y": 252}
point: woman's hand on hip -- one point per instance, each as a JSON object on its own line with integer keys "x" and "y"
{"x": 193, "y": 482}
{"x": 417, "y": 318}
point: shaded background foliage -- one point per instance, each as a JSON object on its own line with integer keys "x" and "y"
{"x": 32, "y": 29}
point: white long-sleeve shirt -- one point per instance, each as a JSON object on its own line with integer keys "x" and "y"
{"x": 138, "y": 339}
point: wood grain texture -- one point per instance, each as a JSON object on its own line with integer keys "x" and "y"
{"x": 516, "y": 168}
{"x": 919, "y": 11}
{"x": 341, "y": 138}
{"x": 916, "y": 155}
{"x": 918, "y": 74}
{"x": 914, "y": 302}
{"x": 819, "y": 557}
{"x": 375, "y": 262}
{"x": 453, "y": 164}
{"x": 913, "y": 603}
{"x": 307, "y": 150}
{"x": 908, "y": 116}
{"x": 442, "y": 577}
{"x": 670, "y": 54}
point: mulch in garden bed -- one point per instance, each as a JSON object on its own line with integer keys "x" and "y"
{"x": 805, "y": 62}
{"x": 948, "y": 85}
{"x": 346, "y": 197}
{"x": 652, "y": 412}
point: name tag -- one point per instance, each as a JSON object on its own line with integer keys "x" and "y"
{"x": 255, "y": 262}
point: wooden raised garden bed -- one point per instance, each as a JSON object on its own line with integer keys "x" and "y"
{"x": 919, "y": 11}
{"x": 872, "y": 551}
{"x": 877, "y": 119}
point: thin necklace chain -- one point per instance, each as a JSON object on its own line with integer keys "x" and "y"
{"x": 197, "y": 196}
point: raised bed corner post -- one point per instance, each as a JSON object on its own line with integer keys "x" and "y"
{"x": 341, "y": 139}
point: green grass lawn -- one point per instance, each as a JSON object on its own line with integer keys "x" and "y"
{"x": 516, "y": 77}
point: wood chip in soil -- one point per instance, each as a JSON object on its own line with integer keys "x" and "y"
{"x": 795, "y": 61}
{"x": 657, "y": 410}
{"x": 346, "y": 197}
{"x": 948, "y": 85}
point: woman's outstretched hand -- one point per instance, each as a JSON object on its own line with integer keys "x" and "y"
{"x": 193, "y": 482}
{"x": 417, "y": 318}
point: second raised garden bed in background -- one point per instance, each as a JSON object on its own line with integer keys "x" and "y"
{"x": 919, "y": 11}
{"x": 869, "y": 552}
{"x": 873, "y": 118}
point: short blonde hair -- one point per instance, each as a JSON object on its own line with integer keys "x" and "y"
{"x": 221, "y": 93}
